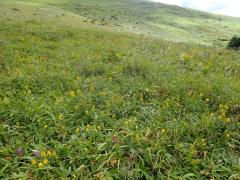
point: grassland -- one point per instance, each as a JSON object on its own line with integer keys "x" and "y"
{"x": 100, "y": 104}
{"x": 148, "y": 18}
{"x": 155, "y": 19}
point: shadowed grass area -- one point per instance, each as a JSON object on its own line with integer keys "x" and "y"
{"x": 79, "y": 101}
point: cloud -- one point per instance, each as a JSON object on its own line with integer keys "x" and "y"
{"x": 176, "y": 2}
{"x": 225, "y": 7}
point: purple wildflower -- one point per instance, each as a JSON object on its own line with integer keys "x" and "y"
{"x": 20, "y": 152}
{"x": 36, "y": 153}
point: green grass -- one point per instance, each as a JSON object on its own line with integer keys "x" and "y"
{"x": 155, "y": 19}
{"x": 112, "y": 105}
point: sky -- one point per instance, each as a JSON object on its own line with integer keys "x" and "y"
{"x": 225, "y": 7}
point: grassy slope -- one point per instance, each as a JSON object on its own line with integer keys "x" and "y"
{"x": 145, "y": 17}
{"x": 112, "y": 104}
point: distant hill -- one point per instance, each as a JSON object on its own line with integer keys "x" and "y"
{"x": 155, "y": 19}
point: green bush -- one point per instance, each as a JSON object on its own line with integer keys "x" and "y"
{"x": 234, "y": 43}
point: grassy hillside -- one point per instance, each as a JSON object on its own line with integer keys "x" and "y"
{"x": 149, "y": 18}
{"x": 80, "y": 101}
{"x": 168, "y": 22}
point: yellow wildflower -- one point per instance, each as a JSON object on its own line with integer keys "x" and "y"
{"x": 45, "y": 161}
{"x": 227, "y": 120}
{"x": 137, "y": 139}
{"x": 77, "y": 130}
{"x": 54, "y": 153}
{"x": 227, "y": 135}
{"x": 49, "y": 153}
{"x": 186, "y": 57}
{"x": 40, "y": 165}
{"x": 34, "y": 162}
{"x": 43, "y": 154}
{"x": 60, "y": 117}
{"x": 72, "y": 93}
{"x": 163, "y": 131}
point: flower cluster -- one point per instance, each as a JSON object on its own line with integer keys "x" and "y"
{"x": 223, "y": 113}
{"x": 41, "y": 157}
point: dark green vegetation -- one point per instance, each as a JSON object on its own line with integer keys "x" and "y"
{"x": 109, "y": 105}
{"x": 234, "y": 43}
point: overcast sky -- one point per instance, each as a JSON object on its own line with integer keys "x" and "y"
{"x": 226, "y": 7}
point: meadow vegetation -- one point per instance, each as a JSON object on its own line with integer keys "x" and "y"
{"x": 79, "y": 101}
{"x": 144, "y": 17}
